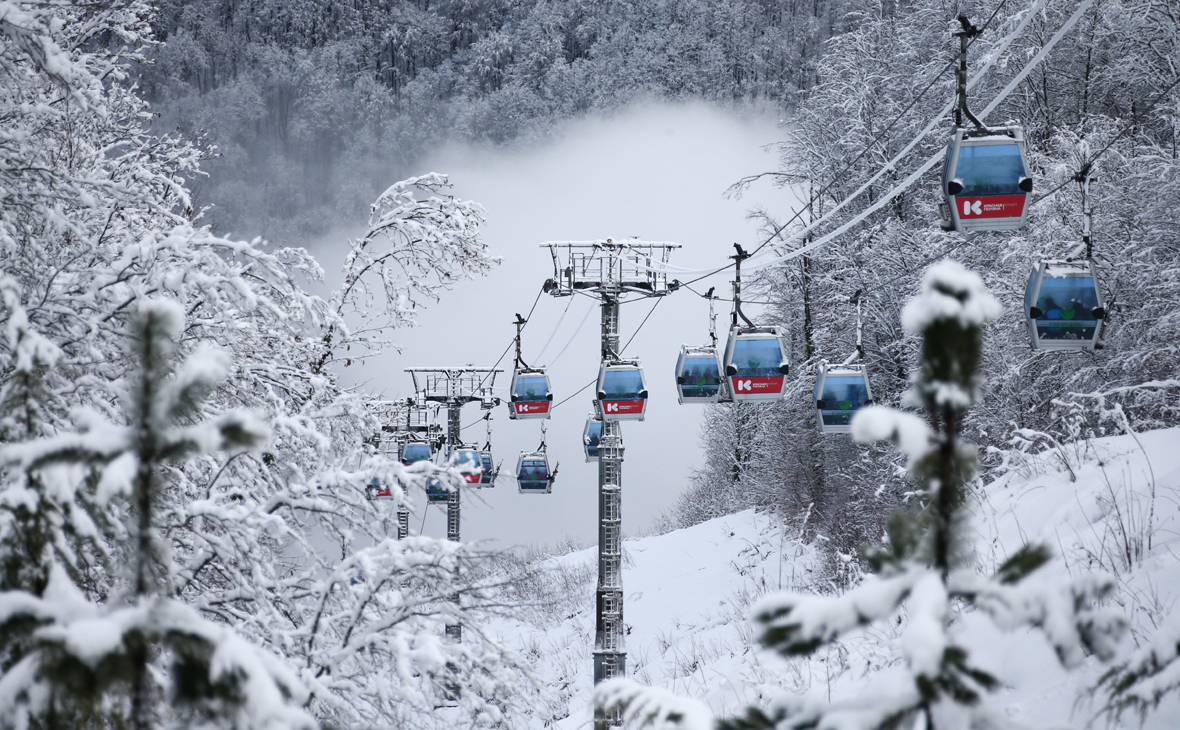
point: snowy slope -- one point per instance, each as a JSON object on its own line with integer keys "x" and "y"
{"x": 688, "y": 592}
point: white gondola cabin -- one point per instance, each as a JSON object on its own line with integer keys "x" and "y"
{"x": 756, "y": 364}
{"x": 622, "y": 391}
{"x": 698, "y": 375}
{"x": 415, "y": 451}
{"x": 840, "y": 391}
{"x": 1063, "y": 306}
{"x": 591, "y": 435}
{"x": 487, "y": 468}
{"x": 985, "y": 180}
{"x": 466, "y": 461}
{"x": 531, "y": 395}
{"x": 532, "y": 473}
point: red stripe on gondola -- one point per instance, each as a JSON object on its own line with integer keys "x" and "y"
{"x": 991, "y": 206}
{"x": 611, "y": 407}
{"x": 756, "y": 386}
{"x": 529, "y": 408}
{"x": 383, "y": 492}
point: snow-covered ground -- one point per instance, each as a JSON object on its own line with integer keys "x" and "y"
{"x": 1109, "y": 504}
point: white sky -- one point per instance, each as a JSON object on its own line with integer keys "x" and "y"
{"x": 658, "y": 172}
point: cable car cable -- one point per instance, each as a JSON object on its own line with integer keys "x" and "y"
{"x": 1127, "y": 127}
{"x": 649, "y": 313}
{"x": 1002, "y": 46}
{"x": 934, "y": 160}
{"x": 555, "y": 328}
{"x": 573, "y": 336}
{"x": 930, "y": 163}
{"x": 510, "y": 344}
{"x": 624, "y": 347}
{"x": 937, "y": 77}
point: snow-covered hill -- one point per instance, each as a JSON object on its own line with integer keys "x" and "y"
{"x": 1109, "y": 504}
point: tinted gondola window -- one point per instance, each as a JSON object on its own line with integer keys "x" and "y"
{"x": 435, "y": 491}
{"x": 593, "y": 437}
{"x": 991, "y": 169}
{"x": 415, "y": 453}
{"x": 1067, "y": 305}
{"x": 531, "y": 388}
{"x": 842, "y": 396}
{"x": 700, "y": 377}
{"x": 757, "y": 358}
{"x": 465, "y": 460}
{"x": 622, "y": 384}
{"x": 533, "y": 473}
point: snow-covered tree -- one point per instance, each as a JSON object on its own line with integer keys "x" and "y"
{"x": 277, "y": 548}
{"x": 927, "y": 567}
{"x": 140, "y": 658}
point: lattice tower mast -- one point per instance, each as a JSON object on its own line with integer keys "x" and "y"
{"x": 609, "y": 270}
{"x": 453, "y": 387}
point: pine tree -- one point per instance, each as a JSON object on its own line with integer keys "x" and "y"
{"x": 927, "y": 563}
{"x": 68, "y": 660}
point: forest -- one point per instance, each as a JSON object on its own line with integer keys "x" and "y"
{"x": 187, "y": 538}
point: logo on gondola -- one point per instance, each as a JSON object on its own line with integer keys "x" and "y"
{"x": 612, "y": 406}
{"x": 745, "y": 385}
{"x": 970, "y": 207}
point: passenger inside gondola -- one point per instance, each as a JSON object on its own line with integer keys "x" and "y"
{"x": 700, "y": 378}
{"x": 593, "y": 437}
{"x": 757, "y": 358}
{"x": 435, "y": 491}
{"x": 842, "y": 396}
{"x": 415, "y": 452}
{"x": 531, "y": 389}
{"x": 992, "y": 169}
{"x": 534, "y": 473}
{"x": 1066, "y": 308}
{"x": 622, "y": 384}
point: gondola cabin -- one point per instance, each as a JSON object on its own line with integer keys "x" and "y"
{"x": 591, "y": 435}
{"x": 840, "y": 391}
{"x": 487, "y": 475}
{"x": 531, "y": 396}
{"x": 376, "y": 489}
{"x": 1063, "y": 306}
{"x": 756, "y": 364}
{"x": 436, "y": 493}
{"x": 985, "y": 181}
{"x": 532, "y": 473}
{"x": 467, "y": 462}
{"x": 622, "y": 391}
{"x": 415, "y": 451}
{"x": 698, "y": 375}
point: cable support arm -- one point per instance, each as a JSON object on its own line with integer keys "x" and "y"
{"x": 738, "y": 258}
{"x": 969, "y": 32}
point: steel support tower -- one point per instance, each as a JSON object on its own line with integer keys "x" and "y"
{"x": 454, "y": 387}
{"x": 609, "y": 271}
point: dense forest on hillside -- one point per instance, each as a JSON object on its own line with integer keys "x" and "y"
{"x": 312, "y": 104}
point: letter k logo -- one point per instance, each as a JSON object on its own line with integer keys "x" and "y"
{"x": 745, "y": 385}
{"x": 970, "y": 207}
{"x": 612, "y": 406}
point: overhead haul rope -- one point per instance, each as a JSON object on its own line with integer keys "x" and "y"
{"x": 997, "y": 51}
{"x": 621, "y": 349}
{"x": 934, "y": 160}
{"x": 938, "y": 156}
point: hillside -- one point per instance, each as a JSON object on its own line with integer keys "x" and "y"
{"x": 1108, "y": 504}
